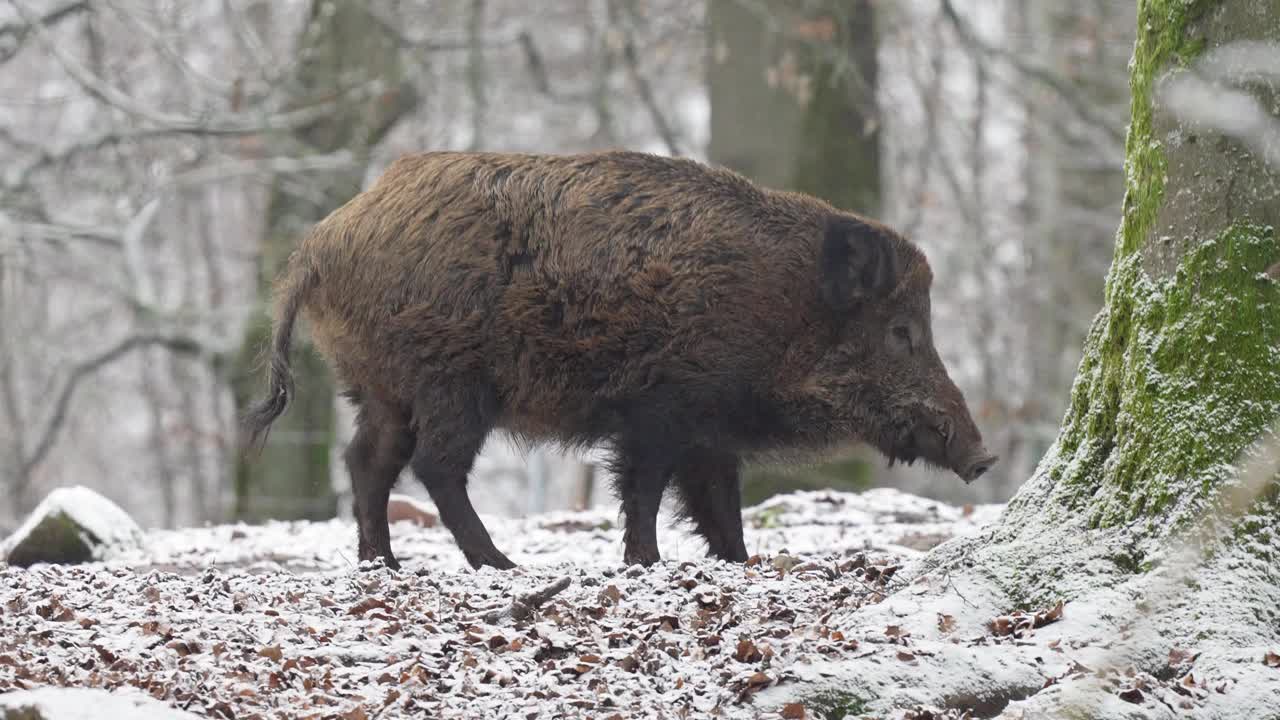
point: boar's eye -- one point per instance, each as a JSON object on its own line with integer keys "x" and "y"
{"x": 902, "y": 334}
{"x": 944, "y": 429}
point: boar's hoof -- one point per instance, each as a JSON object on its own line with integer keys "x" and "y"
{"x": 492, "y": 557}
{"x": 645, "y": 556}
{"x": 387, "y": 561}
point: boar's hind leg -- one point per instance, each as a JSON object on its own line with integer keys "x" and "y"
{"x": 375, "y": 457}
{"x": 452, "y": 422}
{"x": 710, "y": 489}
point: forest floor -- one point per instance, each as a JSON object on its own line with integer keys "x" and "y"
{"x": 241, "y": 621}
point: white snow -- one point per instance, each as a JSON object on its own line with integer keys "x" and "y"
{"x": 55, "y": 703}
{"x": 111, "y": 525}
{"x": 275, "y": 620}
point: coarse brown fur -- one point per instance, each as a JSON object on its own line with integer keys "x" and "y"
{"x": 676, "y": 312}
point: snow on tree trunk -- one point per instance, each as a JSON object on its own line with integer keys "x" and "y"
{"x": 1154, "y": 516}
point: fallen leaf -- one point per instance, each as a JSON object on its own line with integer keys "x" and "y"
{"x": 366, "y": 605}
{"x": 793, "y": 711}
{"x": 747, "y": 652}
{"x": 273, "y": 652}
{"x": 1271, "y": 659}
{"x": 946, "y": 623}
{"x": 1133, "y": 695}
{"x": 1179, "y": 657}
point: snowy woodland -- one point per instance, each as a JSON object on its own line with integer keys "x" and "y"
{"x": 1096, "y": 186}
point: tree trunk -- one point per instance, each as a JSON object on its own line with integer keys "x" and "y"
{"x": 344, "y": 55}
{"x": 1154, "y": 515}
{"x": 793, "y": 106}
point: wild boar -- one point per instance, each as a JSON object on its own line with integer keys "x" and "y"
{"x": 676, "y": 313}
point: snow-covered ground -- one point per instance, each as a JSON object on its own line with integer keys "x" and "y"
{"x": 277, "y": 621}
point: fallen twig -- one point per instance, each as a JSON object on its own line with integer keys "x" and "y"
{"x": 524, "y": 605}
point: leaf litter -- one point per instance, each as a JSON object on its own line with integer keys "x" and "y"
{"x": 271, "y": 620}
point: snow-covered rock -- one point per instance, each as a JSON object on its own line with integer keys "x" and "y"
{"x": 55, "y": 703}
{"x": 71, "y": 525}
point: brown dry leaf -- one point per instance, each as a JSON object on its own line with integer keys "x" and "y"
{"x": 758, "y": 679}
{"x": 906, "y": 656}
{"x": 366, "y": 605}
{"x": 182, "y": 647}
{"x": 793, "y": 711}
{"x": 610, "y": 593}
{"x": 1133, "y": 695}
{"x": 356, "y": 713}
{"x": 1045, "y": 617}
{"x": 946, "y": 623}
{"x": 1271, "y": 659}
{"x": 55, "y": 611}
{"x": 747, "y": 652}
{"x": 273, "y": 652}
{"x": 1179, "y": 656}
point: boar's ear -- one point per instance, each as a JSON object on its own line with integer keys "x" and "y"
{"x": 858, "y": 261}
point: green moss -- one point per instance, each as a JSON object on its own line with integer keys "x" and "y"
{"x": 1178, "y": 374}
{"x": 1181, "y": 381}
{"x": 56, "y": 539}
{"x": 834, "y": 706}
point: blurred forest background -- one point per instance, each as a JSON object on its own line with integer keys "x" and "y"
{"x": 159, "y": 158}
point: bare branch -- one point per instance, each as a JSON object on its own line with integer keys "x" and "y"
{"x": 980, "y": 49}
{"x": 12, "y": 35}
{"x": 523, "y": 607}
{"x": 14, "y": 234}
{"x": 645, "y": 91}
{"x": 85, "y": 369}
{"x": 231, "y": 124}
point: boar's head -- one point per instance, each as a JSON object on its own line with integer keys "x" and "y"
{"x": 883, "y": 374}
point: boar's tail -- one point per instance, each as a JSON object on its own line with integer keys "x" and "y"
{"x": 297, "y": 281}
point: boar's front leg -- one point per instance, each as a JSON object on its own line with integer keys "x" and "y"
{"x": 711, "y": 491}
{"x": 452, "y": 421}
{"x": 642, "y": 475}
{"x": 378, "y": 452}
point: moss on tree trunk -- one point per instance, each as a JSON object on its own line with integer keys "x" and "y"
{"x": 345, "y": 56}
{"x": 1179, "y": 372}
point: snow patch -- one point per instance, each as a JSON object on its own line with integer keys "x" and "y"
{"x": 56, "y": 703}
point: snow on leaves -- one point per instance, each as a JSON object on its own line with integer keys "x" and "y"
{"x": 583, "y": 638}
{"x": 1019, "y": 624}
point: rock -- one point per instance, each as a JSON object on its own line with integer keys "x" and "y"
{"x": 56, "y": 703}
{"x": 71, "y": 525}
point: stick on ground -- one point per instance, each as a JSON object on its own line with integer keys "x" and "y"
{"x": 523, "y": 606}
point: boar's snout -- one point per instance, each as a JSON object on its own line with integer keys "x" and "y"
{"x": 979, "y": 467}
{"x": 945, "y": 436}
